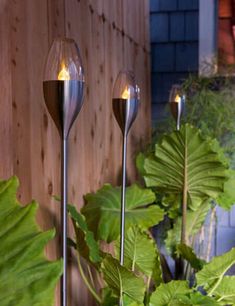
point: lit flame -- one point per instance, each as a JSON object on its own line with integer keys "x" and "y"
{"x": 63, "y": 74}
{"x": 126, "y": 93}
{"x": 177, "y": 98}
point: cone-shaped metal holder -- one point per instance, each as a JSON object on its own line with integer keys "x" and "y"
{"x": 63, "y": 86}
{"x": 125, "y": 108}
{"x": 177, "y": 103}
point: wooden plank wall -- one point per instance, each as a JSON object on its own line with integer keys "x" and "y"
{"x": 112, "y": 35}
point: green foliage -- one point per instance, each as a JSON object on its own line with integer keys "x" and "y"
{"x": 26, "y": 277}
{"x": 121, "y": 280}
{"x": 195, "y": 220}
{"x": 196, "y": 299}
{"x": 85, "y": 242}
{"x": 169, "y": 294}
{"x": 182, "y": 160}
{"x": 188, "y": 254}
{"x": 141, "y": 254}
{"x": 225, "y": 292}
{"x": 133, "y": 282}
{"x": 227, "y": 198}
{"x": 210, "y": 106}
{"x": 212, "y": 273}
{"x": 178, "y": 293}
{"x": 102, "y": 210}
{"x": 141, "y": 262}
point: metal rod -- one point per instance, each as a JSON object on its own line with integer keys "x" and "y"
{"x": 123, "y": 199}
{"x": 123, "y": 202}
{"x": 178, "y": 117}
{"x": 178, "y": 122}
{"x": 64, "y": 190}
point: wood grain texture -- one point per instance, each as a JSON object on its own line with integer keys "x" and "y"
{"x": 112, "y": 35}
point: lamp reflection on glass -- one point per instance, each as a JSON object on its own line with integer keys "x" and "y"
{"x": 177, "y": 103}
{"x": 63, "y": 87}
{"x": 125, "y": 107}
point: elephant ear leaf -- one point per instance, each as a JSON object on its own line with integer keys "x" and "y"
{"x": 195, "y": 219}
{"x": 227, "y": 199}
{"x": 85, "y": 241}
{"x": 169, "y": 294}
{"x": 225, "y": 292}
{"x": 182, "y": 160}
{"x": 141, "y": 254}
{"x": 26, "y": 277}
{"x": 188, "y": 253}
{"x": 102, "y": 210}
{"x": 211, "y": 276}
{"x": 178, "y": 293}
{"x": 121, "y": 280}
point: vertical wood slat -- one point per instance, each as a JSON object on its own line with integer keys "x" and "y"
{"x": 20, "y": 93}
{"x": 112, "y": 35}
{"x": 6, "y": 141}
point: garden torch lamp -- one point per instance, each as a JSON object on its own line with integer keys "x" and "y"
{"x": 125, "y": 107}
{"x": 177, "y": 103}
{"x": 63, "y": 87}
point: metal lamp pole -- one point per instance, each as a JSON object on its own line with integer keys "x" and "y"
{"x": 63, "y": 87}
{"x": 125, "y": 108}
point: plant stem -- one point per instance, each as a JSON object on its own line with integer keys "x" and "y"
{"x": 184, "y": 204}
{"x": 90, "y": 275}
{"x": 89, "y": 286}
{"x": 147, "y": 293}
{"x": 148, "y": 284}
{"x": 179, "y": 271}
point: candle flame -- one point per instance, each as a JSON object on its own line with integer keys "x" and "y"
{"x": 177, "y": 98}
{"x": 126, "y": 93}
{"x": 63, "y": 74}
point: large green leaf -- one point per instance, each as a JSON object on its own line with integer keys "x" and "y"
{"x": 178, "y": 293}
{"x": 227, "y": 199}
{"x": 184, "y": 160}
{"x": 86, "y": 244}
{"x": 102, "y": 210}
{"x": 140, "y": 163}
{"x": 121, "y": 280}
{"x": 197, "y": 299}
{"x": 108, "y": 297}
{"x": 129, "y": 302}
{"x": 187, "y": 253}
{"x": 195, "y": 219}
{"x": 169, "y": 294}
{"x": 140, "y": 254}
{"x": 26, "y": 277}
{"x": 171, "y": 203}
{"x": 225, "y": 292}
{"x": 211, "y": 275}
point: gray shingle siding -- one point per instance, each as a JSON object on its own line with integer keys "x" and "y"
{"x": 177, "y": 26}
{"x": 186, "y": 57}
{"x": 191, "y": 26}
{"x": 159, "y": 27}
{"x": 174, "y": 39}
{"x": 188, "y": 5}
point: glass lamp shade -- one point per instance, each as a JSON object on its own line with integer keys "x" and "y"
{"x": 177, "y": 100}
{"x": 63, "y": 83}
{"x": 126, "y": 96}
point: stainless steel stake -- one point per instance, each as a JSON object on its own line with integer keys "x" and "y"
{"x": 64, "y": 189}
